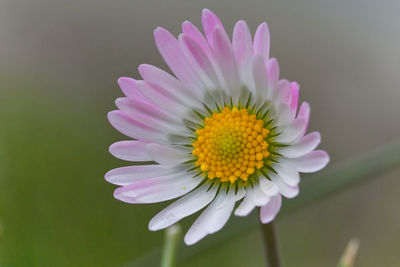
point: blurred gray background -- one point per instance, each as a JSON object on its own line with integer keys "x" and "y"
{"x": 59, "y": 62}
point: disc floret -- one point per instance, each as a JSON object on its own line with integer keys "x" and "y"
{"x": 232, "y": 145}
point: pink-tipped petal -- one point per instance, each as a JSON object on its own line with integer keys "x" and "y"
{"x": 134, "y": 129}
{"x": 148, "y": 120}
{"x": 130, "y": 150}
{"x": 273, "y": 74}
{"x": 127, "y": 175}
{"x": 260, "y": 77}
{"x": 210, "y": 21}
{"x": 128, "y": 86}
{"x": 170, "y": 84}
{"x": 262, "y": 41}
{"x": 157, "y": 97}
{"x": 141, "y": 104}
{"x": 225, "y": 59}
{"x": 166, "y": 155}
{"x": 307, "y": 144}
{"x": 190, "y": 30}
{"x": 269, "y": 211}
{"x": 157, "y": 189}
{"x": 283, "y": 94}
{"x": 242, "y": 48}
{"x": 170, "y": 51}
{"x": 311, "y": 162}
{"x": 295, "y": 97}
{"x": 183, "y": 207}
{"x": 202, "y": 66}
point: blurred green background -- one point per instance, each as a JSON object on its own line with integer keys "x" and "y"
{"x": 59, "y": 62}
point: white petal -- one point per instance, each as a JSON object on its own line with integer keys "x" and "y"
{"x": 269, "y": 211}
{"x": 127, "y": 175}
{"x": 166, "y": 155}
{"x": 292, "y": 132}
{"x": 269, "y": 188}
{"x": 157, "y": 189}
{"x": 185, "y": 206}
{"x": 214, "y": 217}
{"x": 311, "y": 162}
{"x": 307, "y": 144}
{"x": 247, "y": 204}
{"x": 288, "y": 173}
{"x": 285, "y": 189}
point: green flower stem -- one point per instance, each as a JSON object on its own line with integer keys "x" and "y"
{"x": 170, "y": 250}
{"x": 271, "y": 245}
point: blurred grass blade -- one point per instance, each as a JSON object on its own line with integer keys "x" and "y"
{"x": 320, "y": 185}
{"x": 349, "y": 254}
{"x": 170, "y": 249}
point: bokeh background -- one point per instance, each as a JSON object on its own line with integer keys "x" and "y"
{"x": 59, "y": 63}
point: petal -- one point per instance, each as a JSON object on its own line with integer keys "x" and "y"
{"x": 283, "y": 94}
{"x": 190, "y": 30}
{"x": 260, "y": 77}
{"x": 295, "y": 97}
{"x": 268, "y": 187}
{"x": 130, "y": 150}
{"x": 202, "y": 66}
{"x": 155, "y": 94}
{"x": 311, "y": 162}
{"x": 273, "y": 74}
{"x": 214, "y": 216}
{"x": 145, "y": 119}
{"x": 284, "y": 189}
{"x": 141, "y": 104}
{"x": 171, "y": 85}
{"x": 242, "y": 48}
{"x": 307, "y": 144}
{"x": 127, "y": 175}
{"x": 209, "y": 21}
{"x": 269, "y": 211}
{"x": 166, "y": 155}
{"x": 225, "y": 59}
{"x": 247, "y": 205}
{"x": 185, "y": 206}
{"x": 170, "y": 51}
{"x": 262, "y": 41}
{"x": 134, "y": 129}
{"x": 157, "y": 189}
{"x": 293, "y": 131}
{"x": 128, "y": 86}
{"x": 288, "y": 173}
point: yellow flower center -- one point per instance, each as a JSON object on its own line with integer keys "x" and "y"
{"x": 231, "y": 145}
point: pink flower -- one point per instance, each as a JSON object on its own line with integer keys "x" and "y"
{"x": 225, "y": 129}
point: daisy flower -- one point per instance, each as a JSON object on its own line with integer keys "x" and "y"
{"x": 223, "y": 133}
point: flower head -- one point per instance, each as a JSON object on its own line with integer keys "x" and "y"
{"x": 225, "y": 129}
